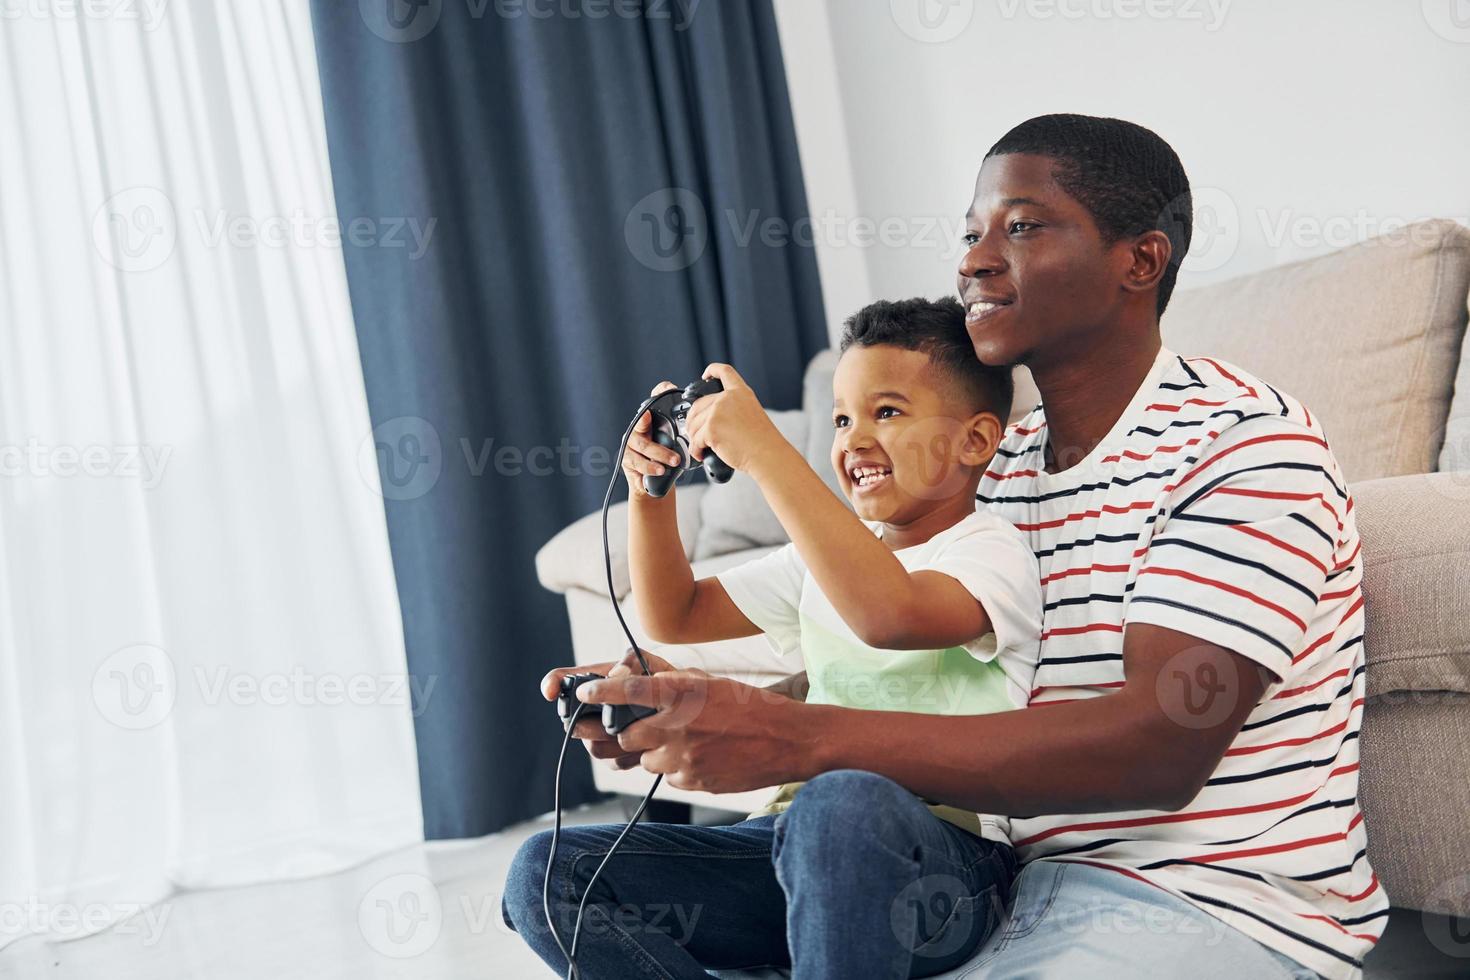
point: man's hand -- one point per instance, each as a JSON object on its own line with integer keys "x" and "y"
{"x": 711, "y": 733}
{"x": 643, "y": 455}
{"x": 599, "y": 744}
{"x": 732, "y": 423}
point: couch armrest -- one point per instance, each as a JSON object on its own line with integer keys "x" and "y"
{"x": 574, "y": 557}
{"x": 1416, "y": 573}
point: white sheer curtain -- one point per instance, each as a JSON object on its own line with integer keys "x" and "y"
{"x": 202, "y": 676}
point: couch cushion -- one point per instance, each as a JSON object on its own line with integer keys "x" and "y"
{"x": 1456, "y": 452}
{"x": 1416, "y": 574}
{"x": 734, "y": 516}
{"x": 816, "y": 402}
{"x": 1368, "y": 338}
{"x": 1415, "y": 796}
{"x": 573, "y": 559}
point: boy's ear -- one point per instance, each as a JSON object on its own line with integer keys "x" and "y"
{"x": 983, "y": 433}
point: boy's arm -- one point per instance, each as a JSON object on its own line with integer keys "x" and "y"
{"x": 887, "y": 606}
{"x": 674, "y": 607}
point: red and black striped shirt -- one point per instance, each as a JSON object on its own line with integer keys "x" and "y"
{"x": 1214, "y": 507}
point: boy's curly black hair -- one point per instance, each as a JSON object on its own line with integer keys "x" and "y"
{"x": 937, "y": 328}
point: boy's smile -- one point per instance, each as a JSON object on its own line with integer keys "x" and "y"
{"x": 900, "y": 454}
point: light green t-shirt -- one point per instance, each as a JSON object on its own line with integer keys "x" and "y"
{"x": 983, "y": 553}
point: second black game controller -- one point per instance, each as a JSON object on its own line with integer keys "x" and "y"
{"x": 670, "y": 411}
{"x": 615, "y": 717}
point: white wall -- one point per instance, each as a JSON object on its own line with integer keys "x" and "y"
{"x": 1304, "y": 125}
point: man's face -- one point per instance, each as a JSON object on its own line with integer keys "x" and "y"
{"x": 1037, "y": 278}
{"x": 896, "y": 442}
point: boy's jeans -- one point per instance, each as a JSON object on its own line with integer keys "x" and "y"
{"x": 856, "y": 879}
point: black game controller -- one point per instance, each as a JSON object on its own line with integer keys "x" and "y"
{"x": 670, "y": 411}
{"x": 615, "y": 717}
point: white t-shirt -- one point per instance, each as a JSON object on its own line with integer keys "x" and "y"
{"x": 1214, "y": 507}
{"x": 994, "y": 672}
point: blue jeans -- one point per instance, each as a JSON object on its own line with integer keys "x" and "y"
{"x": 1069, "y": 919}
{"x": 856, "y": 879}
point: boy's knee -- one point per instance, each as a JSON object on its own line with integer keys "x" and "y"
{"x": 524, "y": 880}
{"x": 845, "y": 794}
{"x": 841, "y": 809}
{"x": 505, "y": 916}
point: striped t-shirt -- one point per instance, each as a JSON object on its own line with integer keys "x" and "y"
{"x": 1214, "y": 507}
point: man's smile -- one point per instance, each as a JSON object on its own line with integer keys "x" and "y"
{"x": 982, "y": 310}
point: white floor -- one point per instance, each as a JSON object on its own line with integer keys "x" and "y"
{"x": 431, "y": 911}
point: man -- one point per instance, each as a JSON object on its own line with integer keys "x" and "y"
{"x": 1183, "y": 788}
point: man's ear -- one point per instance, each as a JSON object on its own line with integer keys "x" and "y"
{"x": 983, "y": 432}
{"x": 1149, "y": 254}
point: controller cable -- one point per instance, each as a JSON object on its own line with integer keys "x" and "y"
{"x": 571, "y": 954}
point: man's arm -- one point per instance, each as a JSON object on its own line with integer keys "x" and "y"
{"x": 1137, "y": 748}
{"x": 1131, "y": 750}
{"x": 795, "y": 687}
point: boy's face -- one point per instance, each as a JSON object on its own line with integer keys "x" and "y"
{"x": 900, "y": 443}
{"x": 1036, "y": 252}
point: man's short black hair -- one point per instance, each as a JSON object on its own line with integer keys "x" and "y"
{"x": 1126, "y": 175}
{"x": 937, "y": 328}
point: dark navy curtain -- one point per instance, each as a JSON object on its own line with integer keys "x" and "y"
{"x": 546, "y": 208}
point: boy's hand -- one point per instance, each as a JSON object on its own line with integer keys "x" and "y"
{"x": 589, "y": 730}
{"x": 643, "y": 455}
{"x": 732, "y": 423}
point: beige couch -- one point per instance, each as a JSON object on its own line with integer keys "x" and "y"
{"x": 1370, "y": 339}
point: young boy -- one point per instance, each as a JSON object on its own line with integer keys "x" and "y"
{"x": 915, "y": 602}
